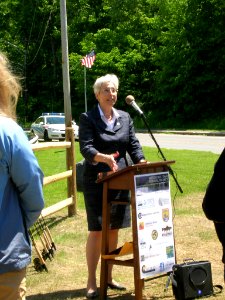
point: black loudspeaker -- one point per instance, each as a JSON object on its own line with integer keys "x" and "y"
{"x": 192, "y": 280}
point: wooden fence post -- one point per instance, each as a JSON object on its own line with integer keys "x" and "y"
{"x": 71, "y": 165}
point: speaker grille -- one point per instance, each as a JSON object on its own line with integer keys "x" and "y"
{"x": 198, "y": 277}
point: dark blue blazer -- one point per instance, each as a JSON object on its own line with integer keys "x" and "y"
{"x": 94, "y": 137}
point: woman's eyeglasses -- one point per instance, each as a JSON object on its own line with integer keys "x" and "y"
{"x": 110, "y": 90}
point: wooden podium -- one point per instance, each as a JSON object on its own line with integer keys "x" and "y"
{"x": 124, "y": 180}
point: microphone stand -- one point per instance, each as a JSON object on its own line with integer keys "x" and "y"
{"x": 160, "y": 151}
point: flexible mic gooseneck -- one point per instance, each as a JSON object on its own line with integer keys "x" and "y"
{"x": 131, "y": 101}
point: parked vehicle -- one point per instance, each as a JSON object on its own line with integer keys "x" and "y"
{"x": 51, "y": 126}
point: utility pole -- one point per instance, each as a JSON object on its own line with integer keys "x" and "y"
{"x": 70, "y": 152}
{"x": 65, "y": 64}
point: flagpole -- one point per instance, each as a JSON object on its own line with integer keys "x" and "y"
{"x": 85, "y": 90}
{"x": 87, "y": 62}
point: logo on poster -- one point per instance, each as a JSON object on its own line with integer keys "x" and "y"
{"x": 165, "y": 214}
{"x": 154, "y": 234}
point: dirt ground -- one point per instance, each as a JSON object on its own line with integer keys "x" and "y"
{"x": 66, "y": 277}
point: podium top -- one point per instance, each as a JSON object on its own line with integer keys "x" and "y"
{"x": 136, "y": 169}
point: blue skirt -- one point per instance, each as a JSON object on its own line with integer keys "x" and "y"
{"x": 120, "y": 216}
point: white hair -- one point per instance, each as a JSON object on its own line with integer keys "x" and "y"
{"x": 107, "y": 78}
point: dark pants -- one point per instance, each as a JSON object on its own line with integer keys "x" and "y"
{"x": 220, "y": 231}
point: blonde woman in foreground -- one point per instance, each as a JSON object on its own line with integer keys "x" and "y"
{"x": 21, "y": 195}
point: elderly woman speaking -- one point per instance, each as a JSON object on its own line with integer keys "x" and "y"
{"x": 106, "y": 135}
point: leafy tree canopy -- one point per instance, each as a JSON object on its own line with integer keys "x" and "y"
{"x": 169, "y": 54}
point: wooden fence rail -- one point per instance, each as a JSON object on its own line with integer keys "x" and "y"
{"x": 69, "y": 174}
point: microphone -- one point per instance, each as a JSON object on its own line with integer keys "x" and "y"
{"x": 130, "y": 101}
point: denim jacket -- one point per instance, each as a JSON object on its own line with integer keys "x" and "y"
{"x": 21, "y": 195}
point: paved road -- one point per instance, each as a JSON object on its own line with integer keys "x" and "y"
{"x": 198, "y": 142}
{"x": 214, "y": 144}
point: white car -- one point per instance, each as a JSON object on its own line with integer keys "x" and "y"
{"x": 51, "y": 126}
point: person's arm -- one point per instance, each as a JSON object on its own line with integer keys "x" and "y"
{"x": 27, "y": 177}
{"x": 86, "y": 138}
{"x": 87, "y": 148}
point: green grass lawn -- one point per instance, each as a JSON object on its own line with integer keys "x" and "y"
{"x": 194, "y": 235}
{"x": 192, "y": 169}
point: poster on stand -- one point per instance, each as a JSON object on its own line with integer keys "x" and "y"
{"x": 154, "y": 224}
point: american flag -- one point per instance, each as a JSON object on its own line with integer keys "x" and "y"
{"x": 89, "y": 59}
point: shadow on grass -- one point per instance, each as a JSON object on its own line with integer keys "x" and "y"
{"x": 80, "y": 294}
{"x": 59, "y": 295}
{"x": 75, "y": 294}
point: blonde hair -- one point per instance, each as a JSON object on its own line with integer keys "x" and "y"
{"x": 9, "y": 89}
{"x": 107, "y": 78}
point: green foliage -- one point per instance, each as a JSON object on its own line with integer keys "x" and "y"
{"x": 190, "y": 61}
{"x": 169, "y": 54}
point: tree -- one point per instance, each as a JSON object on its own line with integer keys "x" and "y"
{"x": 122, "y": 34}
{"x": 169, "y": 54}
{"x": 190, "y": 61}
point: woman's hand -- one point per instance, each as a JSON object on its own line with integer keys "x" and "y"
{"x": 108, "y": 159}
{"x": 143, "y": 161}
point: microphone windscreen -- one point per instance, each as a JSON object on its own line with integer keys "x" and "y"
{"x": 129, "y": 99}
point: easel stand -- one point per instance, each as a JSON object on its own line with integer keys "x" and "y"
{"x": 124, "y": 180}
